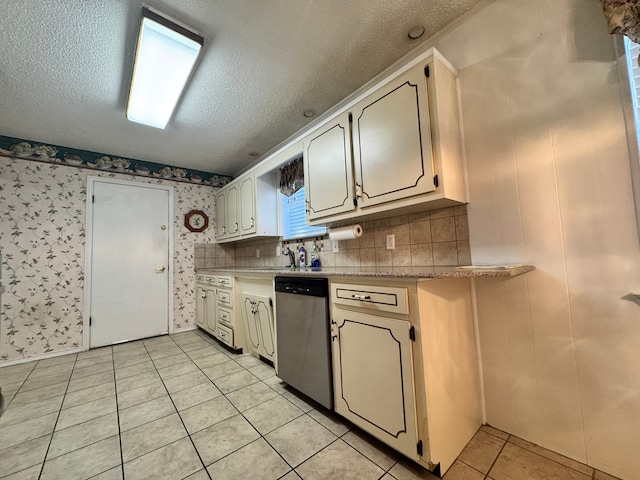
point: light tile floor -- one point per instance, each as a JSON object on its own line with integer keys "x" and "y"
{"x": 182, "y": 406}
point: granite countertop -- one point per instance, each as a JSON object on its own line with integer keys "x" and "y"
{"x": 418, "y": 274}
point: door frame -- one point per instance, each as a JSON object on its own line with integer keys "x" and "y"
{"x": 88, "y": 252}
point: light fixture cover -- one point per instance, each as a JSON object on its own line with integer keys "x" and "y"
{"x": 165, "y": 56}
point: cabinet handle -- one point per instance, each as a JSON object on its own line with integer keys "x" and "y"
{"x": 203, "y": 295}
{"x": 224, "y": 229}
{"x": 252, "y": 222}
{"x": 364, "y": 298}
{"x": 236, "y": 228}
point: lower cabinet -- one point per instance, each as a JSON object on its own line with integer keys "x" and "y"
{"x": 405, "y": 365}
{"x": 257, "y": 317}
{"x": 254, "y": 300}
{"x": 206, "y": 303}
{"x": 373, "y": 359}
{"x": 214, "y": 309}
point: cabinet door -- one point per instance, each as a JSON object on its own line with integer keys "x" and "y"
{"x": 233, "y": 226}
{"x": 264, "y": 319}
{"x": 373, "y": 377}
{"x": 221, "y": 216}
{"x": 247, "y": 206}
{"x": 392, "y": 141}
{"x": 251, "y": 329}
{"x": 201, "y": 295}
{"x": 210, "y": 309}
{"x": 328, "y": 170}
{"x": 257, "y": 316}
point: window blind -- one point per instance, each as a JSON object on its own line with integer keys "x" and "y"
{"x": 294, "y": 218}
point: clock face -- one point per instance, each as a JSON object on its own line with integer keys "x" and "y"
{"x": 196, "y": 221}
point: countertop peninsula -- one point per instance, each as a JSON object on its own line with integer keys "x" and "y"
{"x": 408, "y": 273}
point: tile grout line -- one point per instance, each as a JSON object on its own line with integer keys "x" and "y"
{"x": 261, "y": 436}
{"x": 550, "y": 459}
{"x": 179, "y": 416}
{"x": 486, "y": 475}
{"x": 115, "y": 388}
{"x": 44, "y": 460}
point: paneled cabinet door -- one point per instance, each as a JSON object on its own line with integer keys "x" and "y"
{"x": 247, "y": 206}
{"x": 221, "y": 216}
{"x": 257, "y": 317}
{"x": 233, "y": 225}
{"x": 373, "y": 377}
{"x": 328, "y": 171}
{"x": 392, "y": 141}
{"x": 201, "y": 296}
{"x": 210, "y": 309}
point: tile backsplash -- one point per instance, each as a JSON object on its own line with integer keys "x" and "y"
{"x": 430, "y": 239}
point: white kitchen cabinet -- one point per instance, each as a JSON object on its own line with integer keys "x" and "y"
{"x": 407, "y": 152}
{"x": 405, "y": 364}
{"x": 206, "y": 303}
{"x": 373, "y": 377}
{"x": 392, "y": 141}
{"x": 214, "y": 309}
{"x": 247, "y": 206}
{"x": 257, "y": 316}
{"x": 233, "y": 207}
{"x": 250, "y": 208}
{"x": 221, "y": 216}
{"x": 328, "y": 169}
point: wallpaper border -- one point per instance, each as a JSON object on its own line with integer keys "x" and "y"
{"x": 49, "y": 153}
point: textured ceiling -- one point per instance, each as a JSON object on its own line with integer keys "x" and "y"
{"x": 65, "y": 68}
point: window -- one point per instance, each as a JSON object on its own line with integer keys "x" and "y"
{"x": 294, "y": 218}
{"x": 633, "y": 52}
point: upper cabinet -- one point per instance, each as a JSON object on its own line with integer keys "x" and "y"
{"x": 328, "y": 169}
{"x": 398, "y": 147}
{"x": 246, "y": 208}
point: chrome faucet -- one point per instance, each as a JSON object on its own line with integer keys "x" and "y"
{"x": 292, "y": 258}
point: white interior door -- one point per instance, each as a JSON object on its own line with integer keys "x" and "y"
{"x": 130, "y": 238}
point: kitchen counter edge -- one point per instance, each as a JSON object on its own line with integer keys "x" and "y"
{"x": 453, "y": 272}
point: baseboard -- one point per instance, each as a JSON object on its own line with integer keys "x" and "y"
{"x": 39, "y": 357}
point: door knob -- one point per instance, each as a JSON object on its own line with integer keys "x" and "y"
{"x": 160, "y": 269}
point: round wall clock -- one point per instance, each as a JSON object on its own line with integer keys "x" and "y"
{"x": 196, "y": 221}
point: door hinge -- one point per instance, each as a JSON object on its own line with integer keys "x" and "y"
{"x": 270, "y": 302}
{"x": 435, "y": 181}
{"x": 419, "y": 447}
{"x": 350, "y": 117}
{"x": 93, "y": 199}
{"x": 426, "y": 71}
{"x": 412, "y": 333}
{"x": 89, "y": 321}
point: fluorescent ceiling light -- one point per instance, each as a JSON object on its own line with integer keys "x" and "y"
{"x": 165, "y": 56}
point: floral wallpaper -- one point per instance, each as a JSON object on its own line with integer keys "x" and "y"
{"x": 42, "y": 238}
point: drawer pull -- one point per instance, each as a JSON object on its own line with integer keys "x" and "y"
{"x": 364, "y": 298}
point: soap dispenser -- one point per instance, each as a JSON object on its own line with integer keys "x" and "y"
{"x": 302, "y": 255}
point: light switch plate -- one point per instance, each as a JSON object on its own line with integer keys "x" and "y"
{"x": 336, "y": 246}
{"x": 391, "y": 242}
{"x": 257, "y": 253}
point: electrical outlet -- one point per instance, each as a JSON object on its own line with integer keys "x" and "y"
{"x": 391, "y": 242}
{"x": 257, "y": 253}
{"x": 336, "y": 246}
{"x": 278, "y": 251}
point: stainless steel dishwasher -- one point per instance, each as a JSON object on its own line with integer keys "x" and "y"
{"x": 302, "y": 330}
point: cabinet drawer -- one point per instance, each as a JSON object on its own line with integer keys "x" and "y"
{"x": 224, "y": 281}
{"x": 225, "y": 317}
{"x": 200, "y": 278}
{"x": 386, "y": 299}
{"x": 225, "y": 298}
{"x": 225, "y": 335}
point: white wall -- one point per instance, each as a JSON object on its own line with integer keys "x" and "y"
{"x": 549, "y": 183}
